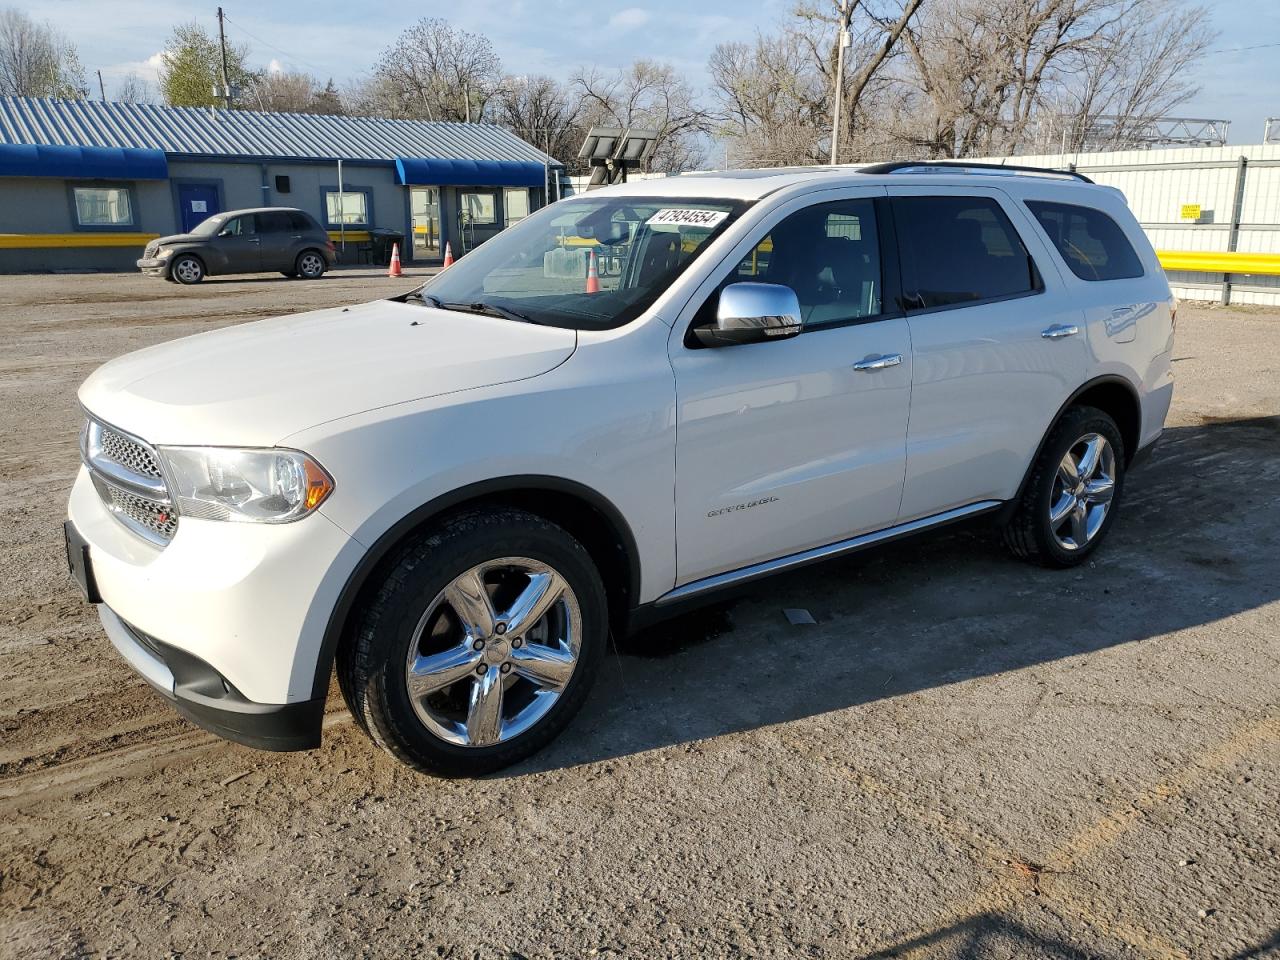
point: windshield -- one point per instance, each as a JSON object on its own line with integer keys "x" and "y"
{"x": 585, "y": 263}
{"x": 208, "y": 228}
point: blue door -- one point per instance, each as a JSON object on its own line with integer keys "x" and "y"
{"x": 197, "y": 202}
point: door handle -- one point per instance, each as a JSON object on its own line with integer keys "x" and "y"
{"x": 1058, "y": 331}
{"x": 878, "y": 363}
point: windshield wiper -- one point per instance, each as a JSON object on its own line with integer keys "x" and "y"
{"x": 479, "y": 306}
{"x": 487, "y": 309}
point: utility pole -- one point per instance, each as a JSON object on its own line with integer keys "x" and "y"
{"x": 101, "y": 89}
{"x": 226, "y": 82}
{"x": 843, "y": 40}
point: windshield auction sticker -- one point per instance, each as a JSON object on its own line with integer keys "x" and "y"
{"x": 707, "y": 219}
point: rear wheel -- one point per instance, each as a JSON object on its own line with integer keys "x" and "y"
{"x": 480, "y": 645}
{"x": 1071, "y": 498}
{"x": 187, "y": 269}
{"x": 310, "y": 265}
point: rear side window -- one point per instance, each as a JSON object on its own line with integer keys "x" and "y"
{"x": 959, "y": 250}
{"x": 301, "y": 221}
{"x": 1092, "y": 244}
{"x": 274, "y": 221}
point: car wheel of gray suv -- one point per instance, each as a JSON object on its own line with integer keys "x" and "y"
{"x": 479, "y": 644}
{"x": 310, "y": 265}
{"x": 1070, "y": 499}
{"x": 187, "y": 268}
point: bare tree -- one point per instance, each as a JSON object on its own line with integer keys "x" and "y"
{"x": 654, "y": 96}
{"x": 773, "y": 104}
{"x": 988, "y": 75}
{"x": 36, "y": 60}
{"x": 541, "y": 111}
{"x": 776, "y": 95}
{"x": 283, "y": 92}
{"x": 436, "y": 72}
{"x": 134, "y": 89}
{"x": 1136, "y": 69}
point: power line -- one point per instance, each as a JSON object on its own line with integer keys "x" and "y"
{"x": 272, "y": 46}
{"x": 1256, "y": 46}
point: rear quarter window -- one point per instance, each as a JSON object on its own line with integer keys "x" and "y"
{"x": 1092, "y": 244}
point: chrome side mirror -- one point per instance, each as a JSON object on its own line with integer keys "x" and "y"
{"x": 752, "y": 313}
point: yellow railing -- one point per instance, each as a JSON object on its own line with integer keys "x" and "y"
{"x": 353, "y": 236}
{"x": 1205, "y": 261}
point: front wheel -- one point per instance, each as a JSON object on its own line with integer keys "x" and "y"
{"x": 187, "y": 269}
{"x": 480, "y": 645}
{"x": 1070, "y": 500}
{"x": 310, "y": 265}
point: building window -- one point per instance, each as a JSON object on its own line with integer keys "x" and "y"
{"x": 515, "y": 202}
{"x": 478, "y": 208}
{"x": 103, "y": 206}
{"x": 350, "y": 208}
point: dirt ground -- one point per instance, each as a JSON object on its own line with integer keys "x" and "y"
{"x": 965, "y": 757}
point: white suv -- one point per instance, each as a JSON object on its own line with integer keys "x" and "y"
{"x": 631, "y": 400}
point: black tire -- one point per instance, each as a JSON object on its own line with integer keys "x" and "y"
{"x": 1029, "y": 534}
{"x": 187, "y": 269}
{"x": 372, "y": 661}
{"x": 310, "y": 265}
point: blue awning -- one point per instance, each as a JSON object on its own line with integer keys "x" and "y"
{"x": 82, "y": 163}
{"x": 471, "y": 173}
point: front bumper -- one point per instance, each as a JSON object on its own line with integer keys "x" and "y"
{"x": 250, "y": 601}
{"x": 204, "y": 696}
{"x": 154, "y": 266}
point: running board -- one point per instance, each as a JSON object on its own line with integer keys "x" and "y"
{"x": 770, "y": 567}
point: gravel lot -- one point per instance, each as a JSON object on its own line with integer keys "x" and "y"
{"x": 965, "y": 757}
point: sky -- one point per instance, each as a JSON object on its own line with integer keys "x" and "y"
{"x": 1240, "y": 81}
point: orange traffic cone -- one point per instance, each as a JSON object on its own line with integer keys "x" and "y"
{"x": 395, "y": 261}
{"x": 593, "y": 274}
{"x": 448, "y": 256}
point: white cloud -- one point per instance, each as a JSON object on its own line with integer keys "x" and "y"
{"x": 629, "y": 18}
{"x": 275, "y": 66}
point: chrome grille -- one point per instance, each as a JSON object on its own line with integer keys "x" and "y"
{"x": 129, "y": 453}
{"x": 127, "y": 475}
{"x": 157, "y": 518}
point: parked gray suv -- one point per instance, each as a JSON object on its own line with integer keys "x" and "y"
{"x": 243, "y": 241}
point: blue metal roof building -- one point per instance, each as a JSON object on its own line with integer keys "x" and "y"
{"x": 84, "y": 183}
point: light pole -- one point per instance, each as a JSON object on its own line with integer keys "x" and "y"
{"x": 843, "y": 40}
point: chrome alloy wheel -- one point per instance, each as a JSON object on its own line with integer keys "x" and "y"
{"x": 1082, "y": 491}
{"x": 494, "y": 651}
{"x": 188, "y": 270}
{"x": 310, "y": 265}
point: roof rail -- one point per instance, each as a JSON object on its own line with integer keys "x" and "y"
{"x": 896, "y": 166}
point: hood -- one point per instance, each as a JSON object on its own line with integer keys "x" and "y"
{"x": 176, "y": 238}
{"x": 257, "y": 383}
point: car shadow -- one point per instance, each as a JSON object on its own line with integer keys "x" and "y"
{"x": 1195, "y": 542}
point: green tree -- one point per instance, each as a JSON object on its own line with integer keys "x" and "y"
{"x": 191, "y": 67}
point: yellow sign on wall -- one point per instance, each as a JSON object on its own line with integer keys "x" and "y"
{"x": 1191, "y": 211}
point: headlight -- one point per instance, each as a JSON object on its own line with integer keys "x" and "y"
{"x": 164, "y": 252}
{"x": 264, "y": 485}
